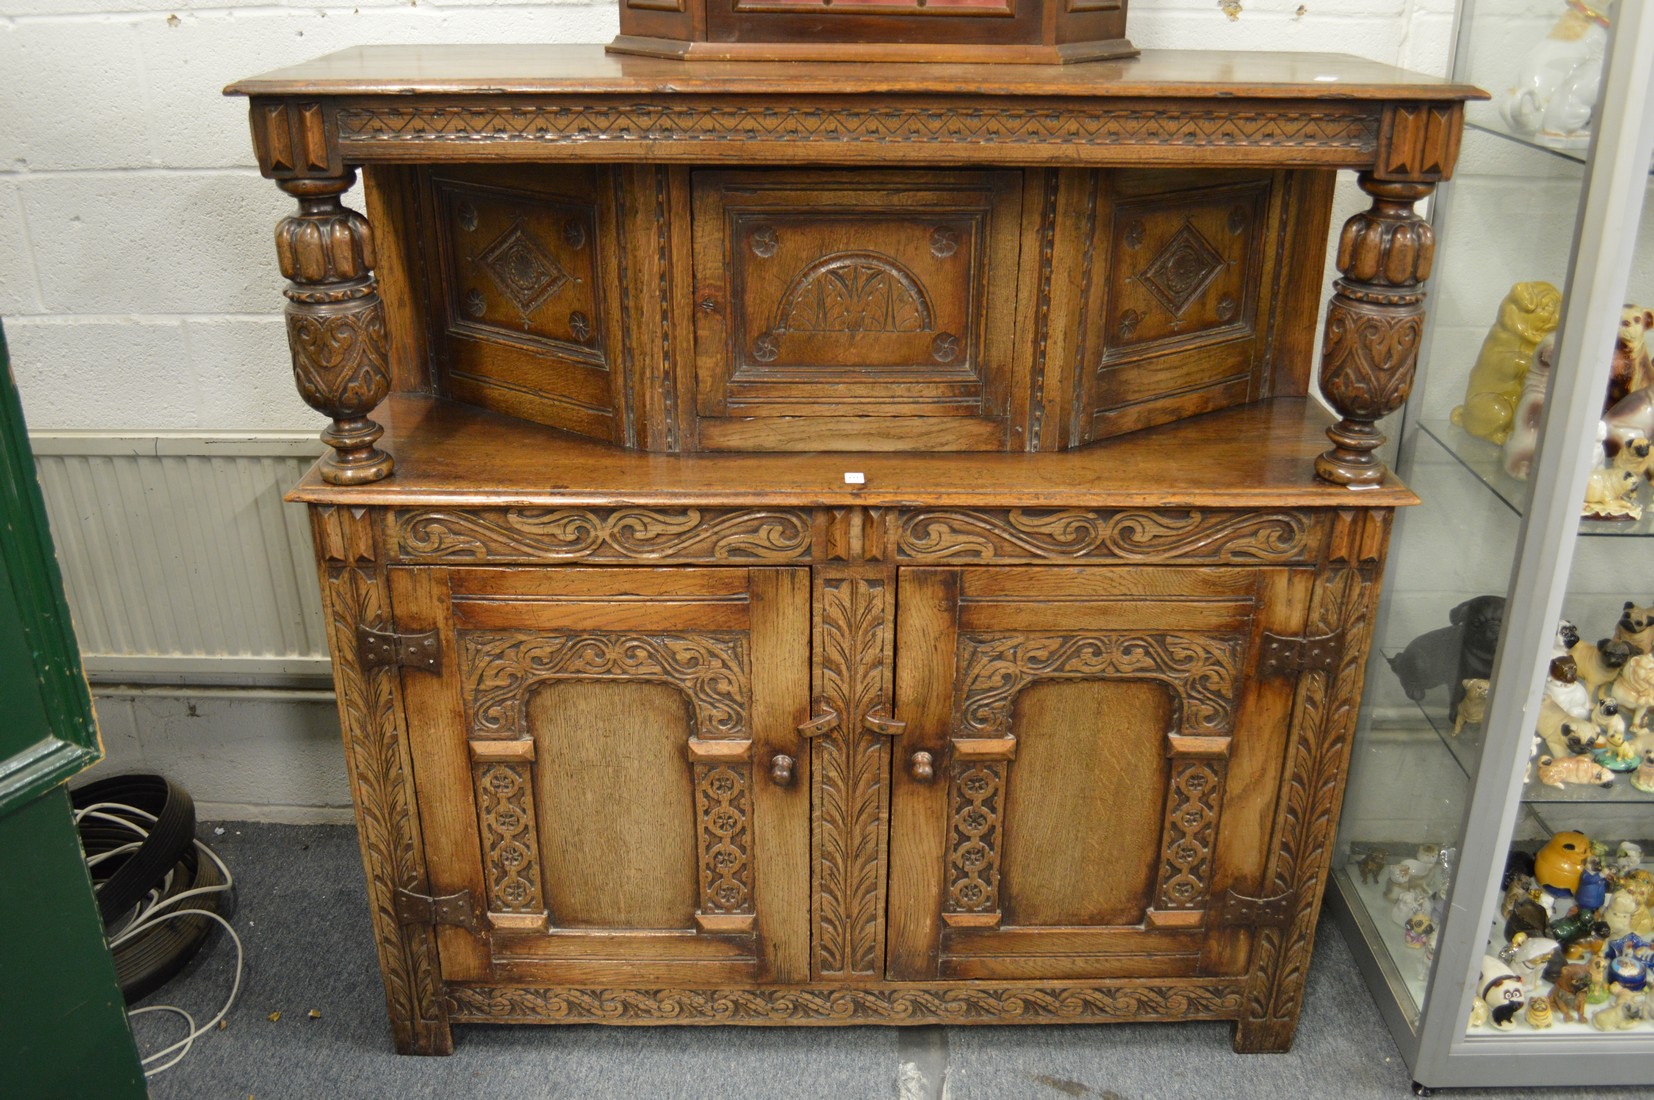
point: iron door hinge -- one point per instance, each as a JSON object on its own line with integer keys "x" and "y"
{"x": 386, "y": 649}
{"x": 1292, "y": 656}
{"x": 460, "y": 909}
{"x": 1238, "y": 909}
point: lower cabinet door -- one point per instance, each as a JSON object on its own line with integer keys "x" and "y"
{"x": 608, "y": 761}
{"x": 1091, "y": 762}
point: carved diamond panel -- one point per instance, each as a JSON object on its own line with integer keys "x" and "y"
{"x": 1184, "y": 268}
{"x": 521, "y": 264}
{"x": 1184, "y": 263}
{"x": 523, "y": 269}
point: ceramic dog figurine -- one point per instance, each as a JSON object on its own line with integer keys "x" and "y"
{"x": 1529, "y": 412}
{"x": 1372, "y": 864}
{"x": 1472, "y": 706}
{"x": 1538, "y": 1014}
{"x": 1611, "y": 490}
{"x": 1554, "y": 95}
{"x": 1633, "y": 367}
{"x": 1557, "y": 771}
{"x": 1625, "y": 1013}
{"x": 1599, "y": 665}
{"x": 1568, "y": 992}
{"x": 1636, "y": 627}
{"x": 1453, "y": 654}
{"x": 1633, "y": 690}
{"x": 1527, "y": 315}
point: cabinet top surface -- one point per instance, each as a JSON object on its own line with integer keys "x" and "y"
{"x": 1257, "y": 455}
{"x": 473, "y": 70}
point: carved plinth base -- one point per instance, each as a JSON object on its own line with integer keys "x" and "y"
{"x": 355, "y": 460}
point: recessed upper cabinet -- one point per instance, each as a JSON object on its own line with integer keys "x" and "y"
{"x": 865, "y": 310}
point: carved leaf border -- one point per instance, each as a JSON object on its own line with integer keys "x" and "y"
{"x": 1207, "y": 1000}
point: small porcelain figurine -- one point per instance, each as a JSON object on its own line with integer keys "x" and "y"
{"x": 1555, "y": 93}
{"x": 1625, "y": 1013}
{"x": 1599, "y": 663}
{"x": 1627, "y": 857}
{"x": 1418, "y": 930}
{"x": 1473, "y": 707}
{"x": 1633, "y": 690}
{"x": 1440, "y": 875}
{"x": 1372, "y": 863}
{"x": 1478, "y": 1012}
{"x": 1503, "y": 992}
{"x": 1563, "y": 688}
{"x": 1628, "y": 971}
{"x": 1561, "y": 861}
{"x": 1617, "y": 754}
{"x": 1644, "y": 779}
{"x": 1598, "y": 993}
{"x": 1528, "y": 313}
{"x": 1530, "y": 957}
{"x": 1619, "y": 913}
{"x": 1569, "y": 991}
{"x": 1523, "y": 440}
{"x": 1611, "y": 490}
{"x": 1406, "y": 874}
{"x": 1556, "y": 771}
{"x": 1538, "y": 1014}
{"x": 1410, "y": 901}
{"x": 1461, "y": 651}
{"x": 1592, "y": 892}
{"x": 1636, "y": 627}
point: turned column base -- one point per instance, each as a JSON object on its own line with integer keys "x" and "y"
{"x": 354, "y": 460}
{"x": 1350, "y": 460}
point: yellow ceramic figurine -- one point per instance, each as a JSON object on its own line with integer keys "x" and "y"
{"x": 1529, "y": 312}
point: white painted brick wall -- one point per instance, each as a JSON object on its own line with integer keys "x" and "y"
{"x": 137, "y": 274}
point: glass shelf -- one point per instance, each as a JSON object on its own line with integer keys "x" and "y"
{"x": 1485, "y": 461}
{"x": 1466, "y": 749}
{"x": 1489, "y": 122}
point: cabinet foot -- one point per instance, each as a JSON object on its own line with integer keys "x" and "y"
{"x": 1263, "y": 1036}
{"x": 427, "y": 1037}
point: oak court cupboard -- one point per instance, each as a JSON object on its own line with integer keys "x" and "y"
{"x": 831, "y": 544}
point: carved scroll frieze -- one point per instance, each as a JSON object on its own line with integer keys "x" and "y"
{"x": 505, "y": 810}
{"x": 354, "y": 592}
{"x": 1191, "y": 824}
{"x": 1345, "y": 135}
{"x": 723, "y": 805}
{"x": 498, "y": 669}
{"x": 1200, "y": 669}
{"x": 974, "y": 841}
{"x": 850, "y": 776}
{"x": 603, "y": 534}
{"x": 962, "y": 535}
{"x": 1205, "y": 999}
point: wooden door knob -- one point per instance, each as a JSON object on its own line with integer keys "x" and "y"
{"x": 781, "y": 770}
{"x": 922, "y": 767}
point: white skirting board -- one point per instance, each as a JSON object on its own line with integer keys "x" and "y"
{"x": 181, "y": 561}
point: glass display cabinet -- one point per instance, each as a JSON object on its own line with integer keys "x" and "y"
{"x": 1452, "y": 796}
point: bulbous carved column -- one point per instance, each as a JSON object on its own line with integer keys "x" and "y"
{"x": 1374, "y": 325}
{"x": 336, "y": 324}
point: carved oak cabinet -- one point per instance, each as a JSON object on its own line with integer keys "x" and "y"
{"x": 847, "y": 544}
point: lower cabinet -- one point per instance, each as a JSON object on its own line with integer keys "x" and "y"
{"x": 938, "y": 783}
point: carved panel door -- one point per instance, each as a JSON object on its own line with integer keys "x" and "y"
{"x": 607, "y": 759}
{"x": 1090, "y": 766}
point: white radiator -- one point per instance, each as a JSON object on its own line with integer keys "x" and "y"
{"x": 182, "y": 563}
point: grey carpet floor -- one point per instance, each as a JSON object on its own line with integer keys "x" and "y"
{"x": 302, "y": 915}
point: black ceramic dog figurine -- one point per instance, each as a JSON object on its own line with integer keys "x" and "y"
{"x": 1456, "y": 653}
